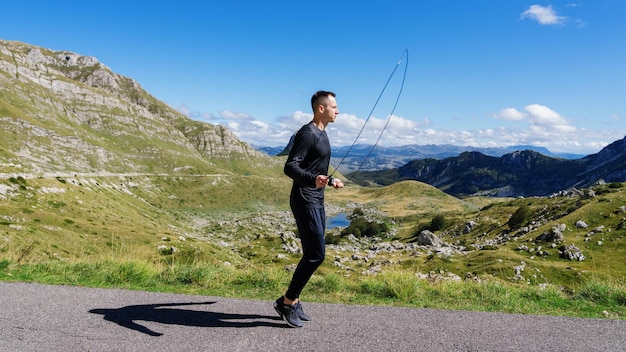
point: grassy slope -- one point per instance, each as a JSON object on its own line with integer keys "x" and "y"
{"x": 81, "y": 218}
{"x": 122, "y": 217}
{"x": 414, "y": 204}
{"x": 56, "y": 227}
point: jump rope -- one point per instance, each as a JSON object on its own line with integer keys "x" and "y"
{"x": 405, "y": 56}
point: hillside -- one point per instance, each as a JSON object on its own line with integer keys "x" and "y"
{"x": 478, "y": 239}
{"x": 65, "y": 113}
{"x": 89, "y": 160}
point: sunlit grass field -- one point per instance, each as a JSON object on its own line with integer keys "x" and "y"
{"x": 224, "y": 235}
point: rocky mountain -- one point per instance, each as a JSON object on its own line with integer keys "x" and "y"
{"x": 64, "y": 112}
{"x": 521, "y": 173}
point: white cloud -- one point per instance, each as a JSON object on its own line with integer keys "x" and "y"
{"x": 535, "y": 124}
{"x": 510, "y": 114}
{"x": 540, "y": 118}
{"x": 233, "y": 115}
{"x": 260, "y": 124}
{"x": 234, "y": 126}
{"x": 543, "y": 14}
{"x": 201, "y": 116}
{"x": 295, "y": 120}
{"x": 394, "y": 131}
{"x": 543, "y": 115}
{"x": 184, "y": 109}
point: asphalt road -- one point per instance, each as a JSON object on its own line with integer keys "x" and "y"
{"x": 60, "y": 318}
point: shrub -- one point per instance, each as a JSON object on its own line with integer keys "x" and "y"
{"x": 437, "y": 223}
{"x": 359, "y": 226}
{"x": 357, "y": 212}
{"x": 4, "y": 263}
{"x": 332, "y": 238}
{"x": 520, "y": 217}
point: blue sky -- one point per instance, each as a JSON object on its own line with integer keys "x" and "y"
{"x": 480, "y": 73}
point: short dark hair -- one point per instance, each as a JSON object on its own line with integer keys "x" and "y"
{"x": 319, "y": 95}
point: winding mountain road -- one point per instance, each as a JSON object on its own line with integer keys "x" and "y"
{"x": 39, "y": 317}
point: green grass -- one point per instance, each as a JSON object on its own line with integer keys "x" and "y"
{"x": 591, "y": 299}
{"x": 222, "y": 236}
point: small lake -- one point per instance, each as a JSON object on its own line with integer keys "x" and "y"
{"x": 339, "y": 220}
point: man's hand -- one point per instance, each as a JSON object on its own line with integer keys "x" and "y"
{"x": 321, "y": 181}
{"x": 335, "y": 182}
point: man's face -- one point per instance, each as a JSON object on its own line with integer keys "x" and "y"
{"x": 330, "y": 109}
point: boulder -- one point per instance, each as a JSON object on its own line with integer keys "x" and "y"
{"x": 571, "y": 252}
{"x": 427, "y": 238}
{"x": 554, "y": 235}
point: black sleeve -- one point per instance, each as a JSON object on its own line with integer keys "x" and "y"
{"x": 303, "y": 143}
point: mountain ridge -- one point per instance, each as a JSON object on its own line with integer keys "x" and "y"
{"x": 62, "y": 111}
{"x": 368, "y": 157}
{"x": 520, "y": 173}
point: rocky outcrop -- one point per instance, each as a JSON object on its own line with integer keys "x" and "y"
{"x": 571, "y": 252}
{"x": 555, "y": 234}
{"x": 427, "y": 238}
{"x": 63, "y": 111}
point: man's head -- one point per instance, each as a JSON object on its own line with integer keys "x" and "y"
{"x": 324, "y": 107}
{"x": 321, "y": 97}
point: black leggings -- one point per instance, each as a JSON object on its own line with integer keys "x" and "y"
{"x": 311, "y": 224}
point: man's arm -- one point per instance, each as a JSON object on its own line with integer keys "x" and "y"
{"x": 302, "y": 143}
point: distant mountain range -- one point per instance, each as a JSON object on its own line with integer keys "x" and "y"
{"x": 520, "y": 173}
{"x": 464, "y": 171}
{"x": 382, "y": 158}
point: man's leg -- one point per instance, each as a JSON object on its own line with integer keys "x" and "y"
{"x": 311, "y": 226}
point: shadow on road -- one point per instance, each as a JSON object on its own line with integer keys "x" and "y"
{"x": 162, "y": 313}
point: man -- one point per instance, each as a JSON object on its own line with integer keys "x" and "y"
{"x": 307, "y": 165}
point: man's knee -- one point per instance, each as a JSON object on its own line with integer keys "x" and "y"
{"x": 316, "y": 258}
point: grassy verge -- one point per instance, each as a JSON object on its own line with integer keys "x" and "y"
{"x": 591, "y": 299}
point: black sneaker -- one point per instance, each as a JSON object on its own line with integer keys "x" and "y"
{"x": 301, "y": 314}
{"x": 288, "y": 313}
{"x": 276, "y": 304}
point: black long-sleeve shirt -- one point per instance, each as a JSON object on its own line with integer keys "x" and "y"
{"x": 309, "y": 157}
